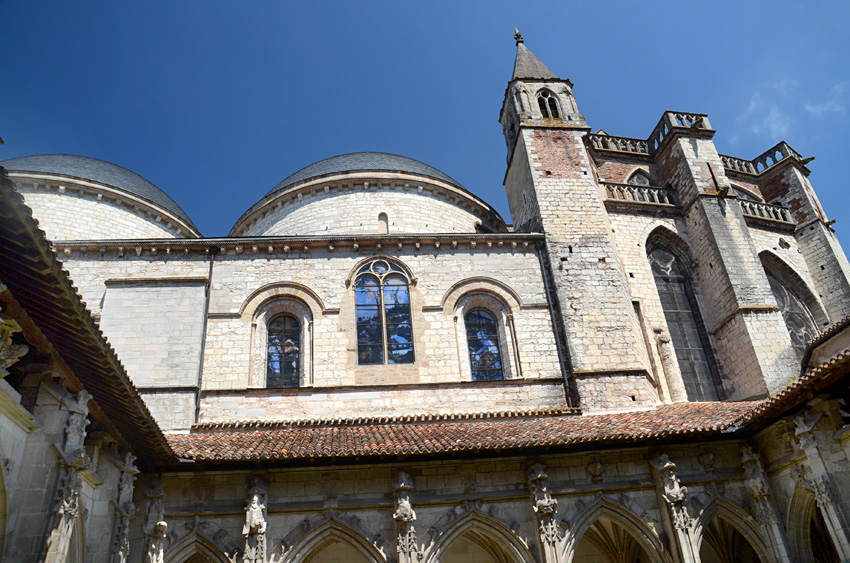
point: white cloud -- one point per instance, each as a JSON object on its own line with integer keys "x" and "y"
{"x": 767, "y": 118}
{"x": 833, "y": 104}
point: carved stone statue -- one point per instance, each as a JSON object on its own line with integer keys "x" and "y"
{"x": 405, "y": 516}
{"x": 254, "y": 529}
{"x": 155, "y": 526}
{"x": 124, "y": 511}
{"x": 9, "y": 353}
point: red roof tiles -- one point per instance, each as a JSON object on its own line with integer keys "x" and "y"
{"x": 300, "y": 441}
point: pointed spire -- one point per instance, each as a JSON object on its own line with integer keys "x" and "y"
{"x": 526, "y": 64}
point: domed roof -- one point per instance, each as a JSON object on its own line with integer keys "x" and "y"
{"x": 364, "y": 161}
{"x": 86, "y": 168}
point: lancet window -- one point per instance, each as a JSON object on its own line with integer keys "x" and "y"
{"x": 690, "y": 341}
{"x": 384, "y": 324}
{"x": 284, "y": 352}
{"x": 482, "y": 338}
{"x": 548, "y": 104}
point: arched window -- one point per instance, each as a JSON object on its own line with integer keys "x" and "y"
{"x": 284, "y": 352}
{"x": 690, "y": 340}
{"x": 548, "y": 104}
{"x": 384, "y": 325}
{"x": 798, "y": 318}
{"x": 383, "y": 224}
{"x": 482, "y": 338}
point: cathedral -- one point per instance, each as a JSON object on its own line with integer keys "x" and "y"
{"x": 648, "y": 364}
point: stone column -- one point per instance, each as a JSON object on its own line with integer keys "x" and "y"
{"x": 155, "y": 526}
{"x": 256, "y": 517}
{"x": 124, "y": 511}
{"x": 404, "y": 516}
{"x": 545, "y": 508}
{"x": 72, "y": 460}
{"x": 763, "y": 507}
{"x": 670, "y": 367}
{"x": 819, "y": 480}
{"x": 679, "y": 522}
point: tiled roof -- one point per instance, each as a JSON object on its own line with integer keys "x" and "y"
{"x": 364, "y": 161}
{"x": 291, "y": 441}
{"x": 43, "y": 290}
{"x": 98, "y": 171}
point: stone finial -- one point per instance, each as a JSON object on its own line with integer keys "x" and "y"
{"x": 518, "y": 37}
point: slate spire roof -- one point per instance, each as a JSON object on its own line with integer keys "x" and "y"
{"x": 526, "y": 64}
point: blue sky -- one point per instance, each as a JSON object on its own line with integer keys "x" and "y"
{"x": 217, "y": 102}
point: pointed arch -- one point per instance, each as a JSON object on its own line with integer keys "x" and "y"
{"x": 789, "y": 274}
{"x": 738, "y": 519}
{"x": 327, "y": 533}
{"x": 803, "y": 512}
{"x": 679, "y": 298}
{"x": 486, "y": 532}
{"x": 192, "y": 546}
{"x": 404, "y": 268}
{"x": 640, "y": 177}
{"x": 278, "y": 291}
{"x": 639, "y": 530}
{"x": 547, "y": 102}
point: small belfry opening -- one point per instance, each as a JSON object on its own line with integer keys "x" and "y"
{"x": 724, "y": 543}
{"x": 548, "y": 104}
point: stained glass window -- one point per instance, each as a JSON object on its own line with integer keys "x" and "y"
{"x": 384, "y": 325}
{"x": 482, "y": 337}
{"x": 284, "y": 356}
{"x": 798, "y": 319}
{"x": 683, "y": 322}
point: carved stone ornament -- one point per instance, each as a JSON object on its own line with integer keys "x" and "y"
{"x": 405, "y": 516}
{"x": 805, "y": 424}
{"x": 757, "y": 485}
{"x": 595, "y": 471}
{"x": 124, "y": 510}
{"x": 707, "y": 462}
{"x": 155, "y": 525}
{"x": 72, "y": 460}
{"x": 256, "y": 516}
{"x": 673, "y": 492}
{"x": 543, "y": 504}
{"x": 9, "y": 353}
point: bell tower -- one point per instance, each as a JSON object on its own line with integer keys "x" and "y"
{"x": 551, "y": 187}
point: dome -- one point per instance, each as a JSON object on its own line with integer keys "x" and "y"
{"x": 361, "y": 162}
{"x": 368, "y": 193}
{"x": 85, "y": 168}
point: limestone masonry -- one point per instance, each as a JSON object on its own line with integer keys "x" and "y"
{"x": 649, "y": 364}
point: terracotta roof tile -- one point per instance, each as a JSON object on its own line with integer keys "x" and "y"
{"x": 322, "y": 440}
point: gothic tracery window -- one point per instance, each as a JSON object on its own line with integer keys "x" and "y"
{"x": 482, "y": 338}
{"x": 798, "y": 319}
{"x": 384, "y": 324}
{"x": 548, "y": 104}
{"x": 284, "y": 352}
{"x": 684, "y": 323}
